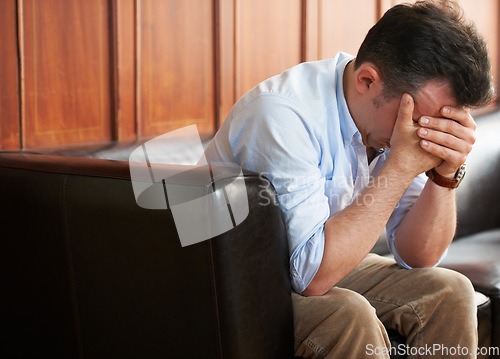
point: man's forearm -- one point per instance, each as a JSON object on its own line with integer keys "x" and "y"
{"x": 428, "y": 228}
{"x": 352, "y": 233}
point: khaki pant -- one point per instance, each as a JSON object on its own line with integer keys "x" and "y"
{"x": 434, "y": 308}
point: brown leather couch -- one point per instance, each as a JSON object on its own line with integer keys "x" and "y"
{"x": 86, "y": 272}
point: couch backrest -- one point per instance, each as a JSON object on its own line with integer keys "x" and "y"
{"x": 478, "y": 197}
{"x": 88, "y": 273}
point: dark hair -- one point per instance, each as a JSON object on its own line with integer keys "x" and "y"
{"x": 412, "y": 44}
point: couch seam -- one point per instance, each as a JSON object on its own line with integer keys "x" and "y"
{"x": 69, "y": 262}
{"x": 215, "y": 298}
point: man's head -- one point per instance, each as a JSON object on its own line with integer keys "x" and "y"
{"x": 412, "y": 45}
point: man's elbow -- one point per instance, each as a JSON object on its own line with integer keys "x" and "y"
{"x": 313, "y": 292}
{"x": 318, "y": 287}
{"x": 422, "y": 262}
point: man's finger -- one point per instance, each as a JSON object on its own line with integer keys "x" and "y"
{"x": 446, "y": 140}
{"x": 405, "y": 113}
{"x": 449, "y": 126}
{"x": 462, "y": 116}
{"x": 453, "y": 158}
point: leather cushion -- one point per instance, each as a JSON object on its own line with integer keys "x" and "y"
{"x": 477, "y": 257}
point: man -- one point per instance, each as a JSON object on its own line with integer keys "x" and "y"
{"x": 346, "y": 142}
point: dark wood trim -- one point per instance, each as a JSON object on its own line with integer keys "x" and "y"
{"x": 303, "y": 30}
{"x": 136, "y": 71}
{"x": 217, "y": 65}
{"x": 10, "y": 104}
{"x": 227, "y": 43}
{"x": 19, "y": 76}
{"x": 21, "y": 64}
{"x": 113, "y": 71}
{"x": 378, "y": 13}
{"x": 124, "y": 62}
{"x": 138, "y": 64}
{"x": 311, "y": 29}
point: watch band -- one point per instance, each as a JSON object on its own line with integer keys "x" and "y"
{"x": 444, "y": 181}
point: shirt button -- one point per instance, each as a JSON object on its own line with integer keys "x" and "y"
{"x": 346, "y": 141}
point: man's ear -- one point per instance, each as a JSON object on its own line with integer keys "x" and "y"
{"x": 367, "y": 78}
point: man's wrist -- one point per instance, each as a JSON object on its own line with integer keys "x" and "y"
{"x": 450, "y": 181}
{"x": 401, "y": 168}
{"x": 446, "y": 172}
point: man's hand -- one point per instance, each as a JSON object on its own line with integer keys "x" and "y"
{"x": 406, "y": 149}
{"x": 428, "y": 228}
{"x": 449, "y": 137}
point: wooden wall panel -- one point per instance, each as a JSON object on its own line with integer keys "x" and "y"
{"x": 385, "y": 5}
{"x": 175, "y": 66}
{"x": 65, "y": 65}
{"x": 96, "y": 70}
{"x": 267, "y": 38}
{"x": 9, "y": 75}
{"x": 486, "y": 15}
{"x": 342, "y": 25}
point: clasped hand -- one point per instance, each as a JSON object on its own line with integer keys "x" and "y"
{"x": 442, "y": 143}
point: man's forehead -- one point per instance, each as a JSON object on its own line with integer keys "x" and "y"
{"x": 431, "y": 97}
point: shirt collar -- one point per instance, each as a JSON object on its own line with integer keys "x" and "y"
{"x": 347, "y": 126}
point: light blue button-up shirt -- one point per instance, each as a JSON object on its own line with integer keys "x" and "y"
{"x": 296, "y": 130}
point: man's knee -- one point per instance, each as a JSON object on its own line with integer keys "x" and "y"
{"x": 340, "y": 318}
{"x": 449, "y": 287}
{"x": 353, "y": 309}
{"x": 339, "y": 304}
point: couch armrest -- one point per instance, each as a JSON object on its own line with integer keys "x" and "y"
{"x": 251, "y": 264}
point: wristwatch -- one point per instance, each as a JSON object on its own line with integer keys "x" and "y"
{"x": 447, "y": 182}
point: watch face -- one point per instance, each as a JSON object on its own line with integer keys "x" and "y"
{"x": 460, "y": 173}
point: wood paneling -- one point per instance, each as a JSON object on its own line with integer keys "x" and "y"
{"x": 9, "y": 77}
{"x": 84, "y": 71}
{"x": 175, "y": 65}
{"x": 486, "y": 14}
{"x": 342, "y": 26}
{"x": 65, "y": 65}
{"x": 267, "y": 38}
{"x": 385, "y": 5}
{"x": 258, "y": 39}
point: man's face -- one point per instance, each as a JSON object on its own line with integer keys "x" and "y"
{"x": 428, "y": 102}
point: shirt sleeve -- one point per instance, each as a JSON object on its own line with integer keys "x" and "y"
{"x": 269, "y": 136}
{"x": 407, "y": 200}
